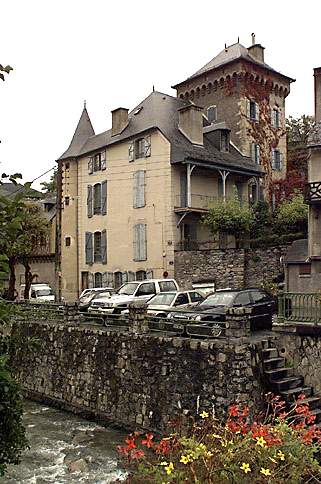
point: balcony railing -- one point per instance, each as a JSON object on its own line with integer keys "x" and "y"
{"x": 202, "y": 202}
{"x": 299, "y": 308}
{"x": 313, "y": 192}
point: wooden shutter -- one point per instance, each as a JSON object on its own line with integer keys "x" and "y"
{"x": 139, "y": 189}
{"x": 124, "y": 277}
{"x": 104, "y": 247}
{"x": 89, "y": 201}
{"x": 136, "y": 242}
{"x": 91, "y": 165}
{"x": 147, "y": 146}
{"x": 131, "y": 276}
{"x": 103, "y": 160}
{"x": 104, "y": 197}
{"x": 105, "y": 279}
{"x": 131, "y": 151}
{"x": 142, "y": 242}
{"x": 90, "y": 280}
{"x": 89, "y": 248}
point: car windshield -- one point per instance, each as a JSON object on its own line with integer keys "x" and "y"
{"x": 44, "y": 292}
{"x": 128, "y": 289}
{"x": 218, "y": 299}
{"x": 101, "y": 295}
{"x": 162, "y": 299}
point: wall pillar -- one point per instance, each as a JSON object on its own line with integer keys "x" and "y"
{"x": 138, "y": 323}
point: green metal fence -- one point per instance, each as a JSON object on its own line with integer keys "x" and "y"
{"x": 299, "y": 308}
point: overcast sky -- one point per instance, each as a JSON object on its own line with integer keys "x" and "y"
{"x": 111, "y": 53}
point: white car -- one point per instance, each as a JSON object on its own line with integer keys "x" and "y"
{"x": 38, "y": 292}
{"x": 132, "y": 291}
{"x": 95, "y": 289}
{"x": 160, "y": 304}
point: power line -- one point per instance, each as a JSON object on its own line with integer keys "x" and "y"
{"x": 35, "y": 179}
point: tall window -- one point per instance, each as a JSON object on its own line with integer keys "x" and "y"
{"x": 97, "y": 162}
{"x": 212, "y": 114}
{"x": 139, "y": 242}
{"x": 276, "y": 160}
{"x": 275, "y": 118}
{"x": 253, "y": 110}
{"x": 139, "y": 148}
{"x": 255, "y": 153}
{"x": 140, "y": 275}
{"x": 98, "y": 279}
{"x": 97, "y": 247}
{"x": 97, "y": 198}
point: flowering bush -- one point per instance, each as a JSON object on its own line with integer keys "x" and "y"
{"x": 279, "y": 448}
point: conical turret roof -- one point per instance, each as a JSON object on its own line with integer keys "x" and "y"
{"x": 83, "y": 131}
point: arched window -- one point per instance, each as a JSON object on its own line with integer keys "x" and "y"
{"x": 97, "y": 198}
{"x": 118, "y": 279}
{"x": 98, "y": 279}
{"x": 140, "y": 275}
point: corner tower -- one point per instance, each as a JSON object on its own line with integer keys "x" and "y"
{"x": 239, "y": 88}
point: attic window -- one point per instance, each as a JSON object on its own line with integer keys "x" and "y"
{"x": 225, "y": 141}
{"x": 138, "y": 110}
{"x": 212, "y": 114}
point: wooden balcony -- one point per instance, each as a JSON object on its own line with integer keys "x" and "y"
{"x": 312, "y": 192}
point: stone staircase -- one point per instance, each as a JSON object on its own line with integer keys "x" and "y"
{"x": 282, "y": 380}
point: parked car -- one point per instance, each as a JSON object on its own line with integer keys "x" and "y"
{"x": 160, "y": 304}
{"x": 213, "y": 308}
{"x": 87, "y": 291}
{"x": 85, "y": 301}
{"x": 39, "y": 292}
{"x": 132, "y": 291}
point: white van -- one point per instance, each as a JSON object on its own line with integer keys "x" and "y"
{"x": 38, "y": 292}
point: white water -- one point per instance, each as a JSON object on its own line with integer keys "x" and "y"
{"x": 50, "y": 433}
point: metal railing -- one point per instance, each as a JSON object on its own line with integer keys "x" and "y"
{"x": 204, "y": 202}
{"x": 299, "y": 308}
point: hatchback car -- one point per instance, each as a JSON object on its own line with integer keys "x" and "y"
{"x": 213, "y": 309}
{"x": 160, "y": 304}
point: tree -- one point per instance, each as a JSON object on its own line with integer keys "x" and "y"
{"x": 4, "y": 70}
{"x": 51, "y": 186}
{"x": 291, "y": 216}
{"x": 230, "y": 217}
{"x": 298, "y": 130}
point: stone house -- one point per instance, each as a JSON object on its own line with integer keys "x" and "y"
{"x": 129, "y": 196}
{"x": 239, "y": 88}
{"x": 303, "y": 260}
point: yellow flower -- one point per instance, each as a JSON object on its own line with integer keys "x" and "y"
{"x": 265, "y": 472}
{"x": 245, "y": 467}
{"x": 215, "y": 436}
{"x": 204, "y": 414}
{"x": 260, "y": 441}
{"x": 169, "y": 468}
{"x": 184, "y": 459}
{"x": 280, "y": 455}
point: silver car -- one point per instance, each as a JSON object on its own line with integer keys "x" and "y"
{"x": 160, "y": 304}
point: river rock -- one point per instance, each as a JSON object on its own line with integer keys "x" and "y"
{"x": 82, "y": 438}
{"x": 79, "y": 465}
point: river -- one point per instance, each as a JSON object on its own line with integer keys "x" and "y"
{"x": 66, "y": 448}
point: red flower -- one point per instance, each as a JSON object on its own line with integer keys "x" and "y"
{"x": 310, "y": 419}
{"x": 302, "y": 409}
{"x": 148, "y": 441}
{"x": 163, "y": 447}
{"x": 233, "y": 411}
{"x": 245, "y": 412}
{"x": 137, "y": 454}
{"x": 122, "y": 450}
{"x": 130, "y": 443}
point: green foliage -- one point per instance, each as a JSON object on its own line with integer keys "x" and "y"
{"x": 4, "y": 70}
{"x": 298, "y": 130}
{"x": 231, "y": 217}
{"x": 51, "y": 186}
{"x": 291, "y": 215}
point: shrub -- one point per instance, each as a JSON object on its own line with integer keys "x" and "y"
{"x": 230, "y": 217}
{"x": 291, "y": 216}
{"x": 278, "y": 449}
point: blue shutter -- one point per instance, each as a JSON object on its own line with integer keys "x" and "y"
{"x": 136, "y": 242}
{"x": 135, "y": 189}
{"x": 104, "y": 197}
{"x": 89, "y": 248}
{"x": 89, "y": 201}
{"x": 139, "y": 189}
{"x": 104, "y": 247}
{"x": 142, "y": 242}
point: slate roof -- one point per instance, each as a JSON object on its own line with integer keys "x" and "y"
{"x": 10, "y": 189}
{"x": 298, "y": 252}
{"x": 160, "y": 111}
{"x": 230, "y": 54}
{"x": 83, "y": 131}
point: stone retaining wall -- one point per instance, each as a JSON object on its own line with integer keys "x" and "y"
{"x": 236, "y": 268}
{"x": 136, "y": 380}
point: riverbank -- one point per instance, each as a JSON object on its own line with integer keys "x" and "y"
{"x": 65, "y": 449}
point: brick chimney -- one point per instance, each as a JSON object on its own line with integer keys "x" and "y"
{"x": 119, "y": 120}
{"x": 190, "y": 123}
{"x": 317, "y": 94}
{"x": 256, "y": 50}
